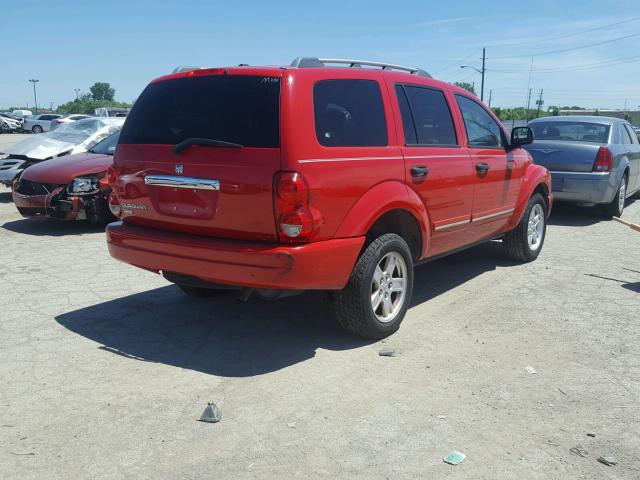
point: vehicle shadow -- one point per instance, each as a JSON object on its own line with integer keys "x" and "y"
{"x": 225, "y": 337}
{"x": 52, "y": 227}
{"x": 439, "y": 276}
{"x": 571, "y": 215}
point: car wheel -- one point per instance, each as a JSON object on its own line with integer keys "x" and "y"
{"x": 36, "y": 129}
{"x": 376, "y": 298}
{"x": 524, "y": 242}
{"x": 200, "y": 291}
{"x": 615, "y": 208}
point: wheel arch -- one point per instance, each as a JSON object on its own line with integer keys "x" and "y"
{"x": 389, "y": 207}
{"x": 537, "y": 179}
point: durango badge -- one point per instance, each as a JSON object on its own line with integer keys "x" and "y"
{"x": 179, "y": 168}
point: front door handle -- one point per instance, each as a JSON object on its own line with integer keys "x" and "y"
{"x": 482, "y": 168}
{"x": 419, "y": 172}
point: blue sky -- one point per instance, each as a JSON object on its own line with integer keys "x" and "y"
{"x": 71, "y": 44}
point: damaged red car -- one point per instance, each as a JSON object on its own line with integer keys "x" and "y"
{"x": 73, "y": 187}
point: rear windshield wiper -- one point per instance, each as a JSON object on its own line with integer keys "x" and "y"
{"x": 207, "y": 142}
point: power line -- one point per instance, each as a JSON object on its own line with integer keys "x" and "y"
{"x": 571, "y": 68}
{"x": 559, "y": 37}
{"x": 562, "y": 50}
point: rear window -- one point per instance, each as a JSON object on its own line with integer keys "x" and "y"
{"x": 234, "y": 108}
{"x": 349, "y": 113}
{"x": 571, "y": 131}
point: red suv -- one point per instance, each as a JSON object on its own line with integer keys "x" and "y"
{"x": 281, "y": 179}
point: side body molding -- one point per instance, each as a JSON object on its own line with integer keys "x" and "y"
{"x": 383, "y": 197}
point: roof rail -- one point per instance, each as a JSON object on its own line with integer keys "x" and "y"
{"x": 185, "y": 68}
{"x": 313, "y": 62}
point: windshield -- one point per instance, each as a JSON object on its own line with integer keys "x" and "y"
{"x": 571, "y": 131}
{"x": 232, "y": 108}
{"x": 75, "y": 132}
{"x": 107, "y": 146}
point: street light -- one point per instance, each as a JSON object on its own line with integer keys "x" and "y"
{"x": 35, "y": 98}
{"x": 481, "y": 72}
{"x": 77, "y": 90}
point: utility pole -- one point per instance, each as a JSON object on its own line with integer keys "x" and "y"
{"x": 77, "y": 90}
{"x": 490, "y": 96}
{"x": 528, "y": 105}
{"x": 51, "y": 106}
{"x": 35, "y": 98}
{"x": 539, "y": 102}
{"x": 484, "y": 58}
{"x": 481, "y": 72}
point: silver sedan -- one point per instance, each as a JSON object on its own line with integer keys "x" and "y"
{"x": 593, "y": 160}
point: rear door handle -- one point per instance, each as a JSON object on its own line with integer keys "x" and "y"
{"x": 482, "y": 167}
{"x": 419, "y": 172}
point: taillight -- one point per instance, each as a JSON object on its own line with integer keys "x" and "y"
{"x": 291, "y": 203}
{"x": 59, "y": 122}
{"x": 112, "y": 177}
{"x": 604, "y": 160}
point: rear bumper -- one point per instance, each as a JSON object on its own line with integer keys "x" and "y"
{"x": 587, "y": 187}
{"x": 313, "y": 266}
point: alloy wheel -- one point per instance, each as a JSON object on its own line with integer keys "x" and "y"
{"x": 535, "y": 227}
{"x": 389, "y": 287}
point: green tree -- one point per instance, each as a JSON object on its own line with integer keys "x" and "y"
{"x": 102, "y": 91}
{"x": 467, "y": 86}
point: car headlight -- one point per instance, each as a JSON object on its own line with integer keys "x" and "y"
{"x": 84, "y": 185}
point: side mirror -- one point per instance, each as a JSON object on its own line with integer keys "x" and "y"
{"x": 521, "y": 136}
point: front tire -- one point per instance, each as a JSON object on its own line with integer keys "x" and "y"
{"x": 524, "y": 242}
{"x": 36, "y": 129}
{"x": 377, "y": 296}
{"x": 615, "y": 208}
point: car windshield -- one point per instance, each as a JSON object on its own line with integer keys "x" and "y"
{"x": 107, "y": 146}
{"x": 571, "y": 131}
{"x": 240, "y": 109}
{"x": 75, "y": 132}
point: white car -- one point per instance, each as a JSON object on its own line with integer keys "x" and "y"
{"x": 66, "y": 119}
{"x": 21, "y": 113}
{"x": 70, "y": 138}
{"x": 9, "y": 124}
{"x": 39, "y": 123}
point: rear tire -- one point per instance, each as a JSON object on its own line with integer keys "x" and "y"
{"x": 377, "y": 296}
{"x": 37, "y": 129}
{"x": 524, "y": 242}
{"x": 616, "y": 207}
{"x": 199, "y": 291}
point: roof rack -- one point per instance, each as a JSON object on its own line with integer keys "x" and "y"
{"x": 313, "y": 62}
{"x": 185, "y": 68}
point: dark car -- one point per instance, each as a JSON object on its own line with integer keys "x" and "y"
{"x": 74, "y": 187}
{"x": 593, "y": 160}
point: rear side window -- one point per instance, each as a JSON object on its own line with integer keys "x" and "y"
{"x": 429, "y": 115}
{"x": 349, "y": 113}
{"x": 482, "y": 130}
{"x": 634, "y": 136}
{"x": 241, "y": 109}
{"x": 624, "y": 135}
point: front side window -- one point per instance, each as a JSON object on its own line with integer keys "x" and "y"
{"x": 482, "y": 130}
{"x": 429, "y": 115}
{"x": 349, "y": 113}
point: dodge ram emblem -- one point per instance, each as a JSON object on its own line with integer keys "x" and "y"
{"x": 179, "y": 169}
